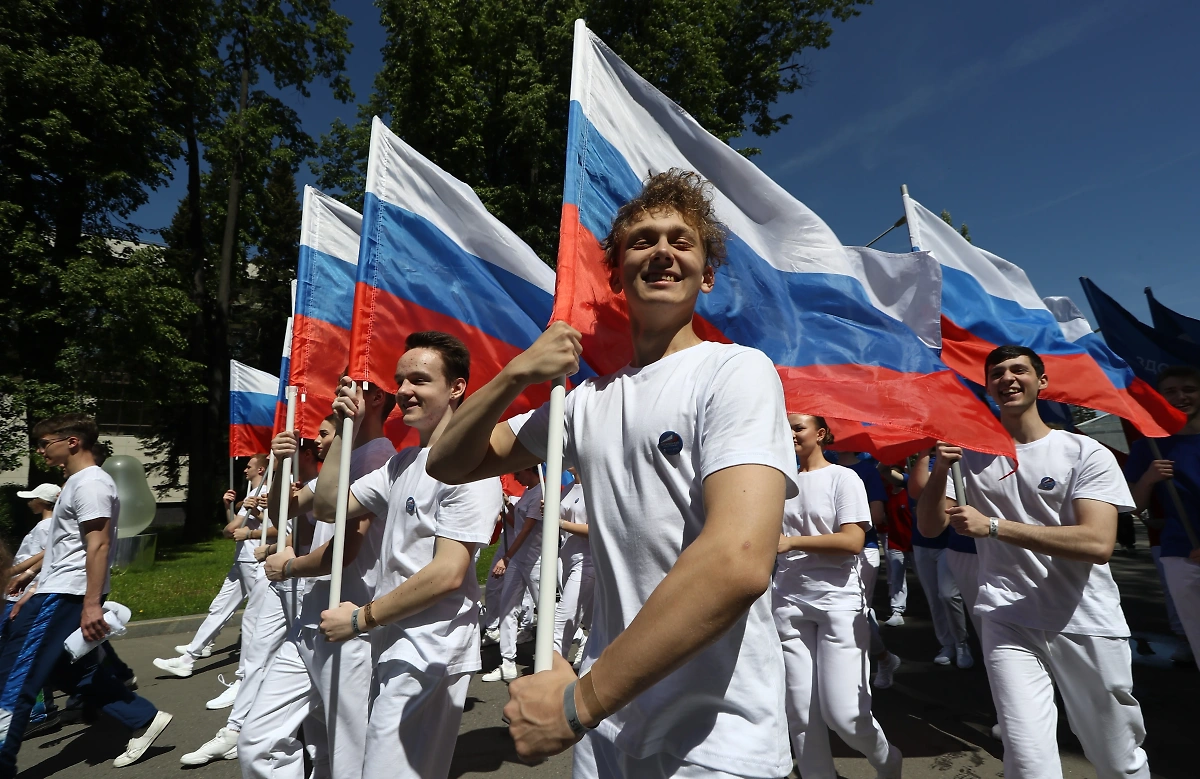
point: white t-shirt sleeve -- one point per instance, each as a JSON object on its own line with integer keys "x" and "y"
{"x": 532, "y": 429}
{"x": 851, "y": 506}
{"x": 1100, "y": 478}
{"x": 467, "y": 512}
{"x": 93, "y": 500}
{"x": 745, "y": 420}
{"x": 374, "y": 489}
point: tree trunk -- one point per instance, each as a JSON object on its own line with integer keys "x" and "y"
{"x": 231, "y": 211}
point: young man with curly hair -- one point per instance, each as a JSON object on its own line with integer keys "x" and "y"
{"x": 685, "y": 459}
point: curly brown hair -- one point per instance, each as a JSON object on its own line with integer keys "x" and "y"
{"x": 682, "y": 191}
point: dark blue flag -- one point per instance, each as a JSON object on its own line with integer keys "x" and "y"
{"x": 1172, "y": 324}
{"x": 1146, "y": 350}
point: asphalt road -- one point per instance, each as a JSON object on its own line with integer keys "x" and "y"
{"x": 939, "y": 717}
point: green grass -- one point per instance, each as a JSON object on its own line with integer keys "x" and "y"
{"x": 184, "y": 579}
{"x": 186, "y": 576}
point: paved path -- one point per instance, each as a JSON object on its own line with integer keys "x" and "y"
{"x": 940, "y": 717}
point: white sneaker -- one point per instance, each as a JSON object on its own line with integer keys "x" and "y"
{"x": 894, "y": 621}
{"x": 892, "y": 768}
{"x": 491, "y": 637}
{"x": 525, "y": 635}
{"x": 945, "y": 656}
{"x": 885, "y": 672}
{"x": 179, "y": 666}
{"x": 222, "y": 746}
{"x": 963, "y": 658}
{"x": 578, "y": 661}
{"x": 138, "y": 744}
{"x": 505, "y": 673}
{"x": 226, "y": 698}
{"x": 205, "y": 652}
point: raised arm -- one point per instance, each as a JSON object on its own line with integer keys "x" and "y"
{"x": 283, "y": 446}
{"x": 347, "y": 404}
{"x": 932, "y": 504}
{"x": 744, "y": 515}
{"x": 475, "y": 444}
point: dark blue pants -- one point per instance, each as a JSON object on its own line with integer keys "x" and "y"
{"x": 32, "y": 655}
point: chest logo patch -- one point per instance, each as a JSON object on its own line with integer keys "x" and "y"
{"x": 410, "y": 505}
{"x": 1047, "y": 484}
{"x": 670, "y": 443}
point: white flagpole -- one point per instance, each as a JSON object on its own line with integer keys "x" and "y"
{"x": 231, "y": 487}
{"x": 914, "y": 242}
{"x": 544, "y": 647}
{"x": 339, "y": 521}
{"x": 285, "y": 488}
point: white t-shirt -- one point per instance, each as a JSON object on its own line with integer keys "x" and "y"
{"x": 829, "y": 498}
{"x": 1028, "y": 588}
{"x": 575, "y": 550}
{"x": 33, "y": 542}
{"x": 87, "y": 495}
{"x": 528, "y": 510}
{"x": 358, "y": 576}
{"x": 643, "y": 441}
{"x": 244, "y": 550}
{"x": 420, "y": 509}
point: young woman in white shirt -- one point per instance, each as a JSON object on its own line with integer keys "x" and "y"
{"x": 820, "y": 613}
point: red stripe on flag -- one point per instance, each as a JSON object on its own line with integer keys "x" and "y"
{"x": 247, "y": 440}
{"x": 320, "y": 353}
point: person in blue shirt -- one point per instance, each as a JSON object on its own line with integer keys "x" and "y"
{"x": 1180, "y": 463}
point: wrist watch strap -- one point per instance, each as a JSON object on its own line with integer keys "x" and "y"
{"x": 577, "y": 727}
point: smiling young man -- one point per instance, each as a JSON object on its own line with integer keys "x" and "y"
{"x": 1051, "y": 612}
{"x": 685, "y": 458}
{"x": 422, "y": 619}
{"x": 1180, "y": 462}
{"x": 71, "y": 589}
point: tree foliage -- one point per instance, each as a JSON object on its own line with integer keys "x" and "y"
{"x": 481, "y": 87}
{"x": 962, "y": 230}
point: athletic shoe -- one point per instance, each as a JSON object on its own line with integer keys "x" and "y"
{"x": 997, "y": 732}
{"x": 578, "y": 661}
{"x": 491, "y": 637}
{"x": 525, "y": 635}
{"x": 226, "y": 698}
{"x": 130, "y": 683}
{"x": 205, "y": 652}
{"x": 885, "y": 671}
{"x": 945, "y": 656}
{"x": 222, "y": 746}
{"x": 179, "y": 666}
{"x": 962, "y": 656}
{"x": 142, "y": 739}
{"x": 896, "y": 620}
{"x": 506, "y": 672}
{"x": 891, "y": 769}
{"x": 1183, "y": 653}
{"x": 46, "y": 722}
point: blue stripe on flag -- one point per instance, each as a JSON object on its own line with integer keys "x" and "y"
{"x": 326, "y": 287}
{"x": 251, "y": 408}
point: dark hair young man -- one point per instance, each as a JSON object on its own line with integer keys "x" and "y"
{"x": 422, "y": 618}
{"x": 1180, "y": 462}
{"x": 685, "y": 458}
{"x": 71, "y": 590}
{"x": 1051, "y": 612}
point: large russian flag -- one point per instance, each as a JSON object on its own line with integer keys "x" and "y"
{"x": 433, "y": 258}
{"x": 988, "y": 301}
{"x": 834, "y": 320}
{"x": 251, "y": 409}
{"x": 320, "y": 352}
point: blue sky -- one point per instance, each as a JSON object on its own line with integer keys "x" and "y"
{"x": 1066, "y": 135}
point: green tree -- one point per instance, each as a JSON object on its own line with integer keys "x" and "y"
{"x": 481, "y": 87}
{"x": 962, "y": 230}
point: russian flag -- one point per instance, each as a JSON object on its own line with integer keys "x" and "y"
{"x": 433, "y": 258}
{"x": 251, "y": 409}
{"x": 988, "y": 301}
{"x": 329, "y": 237}
{"x": 280, "y": 421}
{"x": 835, "y": 321}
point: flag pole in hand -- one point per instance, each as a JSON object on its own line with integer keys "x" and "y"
{"x": 339, "y": 520}
{"x": 285, "y": 477}
{"x": 1176, "y": 499}
{"x": 544, "y": 647}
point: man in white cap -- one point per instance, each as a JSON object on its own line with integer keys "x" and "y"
{"x": 28, "y": 559}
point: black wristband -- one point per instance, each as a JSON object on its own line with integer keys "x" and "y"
{"x": 577, "y": 727}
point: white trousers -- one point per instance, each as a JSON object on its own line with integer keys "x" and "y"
{"x": 574, "y": 607}
{"x": 1172, "y": 614}
{"x": 519, "y": 581}
{"x": 597, "y": 758}
{"x": 1094, "y": 677}
{"x": 415, "y": 716}
{"x": 897, "y": 583}
{"x": 870, "y": 575}
{"x": 269, "y": 613}
{"x": 493, "y": 593}
{"x": 1183, "y": 582}
{"x": 825, "y": 659}
{"x": 945, "y": 601}
{"x": 964, "y": 570}
{"x": 239, "y": 581}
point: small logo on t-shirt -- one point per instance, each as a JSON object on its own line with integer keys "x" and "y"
{"x": 1047, "y": 483}
{"x": 670, "y": 443}
{"x": 410, "y": 506}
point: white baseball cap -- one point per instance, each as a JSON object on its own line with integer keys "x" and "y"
{"x": 46, "y": 492}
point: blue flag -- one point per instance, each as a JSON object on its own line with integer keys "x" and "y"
{"x": 1172, "y": 324}
{"x": 1146, "y": 350}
